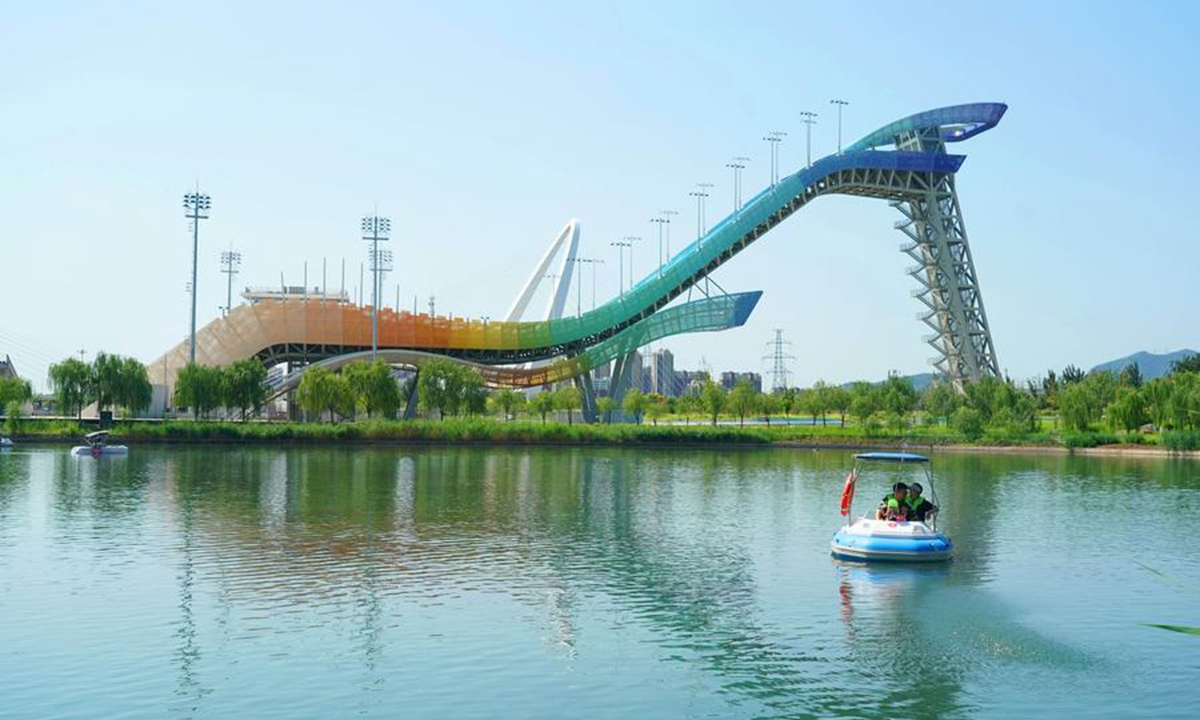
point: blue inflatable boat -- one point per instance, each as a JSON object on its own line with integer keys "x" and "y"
{"x": 868, "y": 539}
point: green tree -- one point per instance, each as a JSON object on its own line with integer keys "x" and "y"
{"x": 713, "y": 397}
{"x": 656, "y": 407}
{"x": 12, "y": 416}
{"x": 1157, "y": 394}
{"x": 14, "y": 390}
{"x": 568, "y": 399}
{"x": 245, "y": 385}
{"x": 899, "y": 399}
{"x": 200, "y": 388}
{"x": 865, "y": 401}
{"x": 374, "y": 387}
{"x": 1072, "y": 375}
{"x": 1078, "y": 406}
{"x": 133, "y": 391}
{"x": 839, "y": 402}
{"x": 106, "y": 380}
{"x": 768, "y": 405}
{"x": 634, "y": 404}
{"x": 1128, "y": 410}
{"x": 69, "y": 381}
{"x": 1131, "y": 376}
{"x": 817, "y": 400}
{"x": 1189, "y": 364}
{"x": 743, "y": 400}
{"x": 605, "y": 407}
{"x": 507, "y": 401}
{"x": 1185, "y": 400}
{"x": 323, "y": 391}
{"x": 543, "y": 403}
{"x": 968, "y": 421}
{"x": 442, "y": 386}
{"x": 940, "y": 400}
{"x": 787, "y": 401}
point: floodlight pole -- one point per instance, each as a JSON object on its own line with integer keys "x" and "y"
{"x": 618, "y": 244}
{"x": 840, "y": 104}
{"x": 375, "y": 229}
{"x": 667, "y": 214}
{"x": 809, "y": 119}
{"x": 660, "y": 222}
{"x": 196, "y": 207}
{"x": 774, "y": 138}
{"x": 231, "y": 261}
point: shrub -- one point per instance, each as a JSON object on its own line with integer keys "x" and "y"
{"x": 968, "y": 422}
{"x": 1181, "y": 440}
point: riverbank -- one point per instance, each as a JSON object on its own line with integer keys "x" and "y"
{"x": 490, "y": 431}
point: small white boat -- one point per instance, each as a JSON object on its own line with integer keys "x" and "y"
{"x": 5, "y": 443}
{"x": 97, "y": 446}
{"x": 870, "y": 540}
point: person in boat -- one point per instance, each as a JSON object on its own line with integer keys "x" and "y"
{"x": 919, "y": 508}
{"x": 895, "y": 504}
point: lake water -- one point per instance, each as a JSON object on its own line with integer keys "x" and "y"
{"x": 581, "y": 583}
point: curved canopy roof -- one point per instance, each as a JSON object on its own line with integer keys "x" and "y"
{"x": 896, "y": 457}
{"x": 957, "y": 122}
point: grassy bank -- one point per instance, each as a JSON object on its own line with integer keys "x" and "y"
{"x": 490, "y": 430}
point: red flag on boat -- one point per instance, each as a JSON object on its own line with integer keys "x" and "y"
{"x": 848, "y": 491}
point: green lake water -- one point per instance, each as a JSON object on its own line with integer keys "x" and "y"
{"x": 580, "y": 583}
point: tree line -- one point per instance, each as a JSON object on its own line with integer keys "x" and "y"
{"x": 110, "y": 381}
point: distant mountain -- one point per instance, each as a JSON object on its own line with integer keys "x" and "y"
{"x": 920, "y": 381}
{"x": 1151, "y": 365}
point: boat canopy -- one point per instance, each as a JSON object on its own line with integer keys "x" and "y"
{"x": 896, "y": 457}
{"x": 98, "y": 435}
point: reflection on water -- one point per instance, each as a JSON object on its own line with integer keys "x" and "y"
{"x": 576, "y": 583}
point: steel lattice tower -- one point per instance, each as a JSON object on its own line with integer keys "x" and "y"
{"x": 949, "y": 285}
{"x": 779, "y": 358}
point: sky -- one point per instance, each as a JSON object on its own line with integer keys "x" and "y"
{"x": 481, "y": 128}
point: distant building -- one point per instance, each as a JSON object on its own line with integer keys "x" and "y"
{"x": 6, "y": 368}
{"x": 730, "y": 379}
{"x": 662, "y": 373}
{"x": 690, "y": 382}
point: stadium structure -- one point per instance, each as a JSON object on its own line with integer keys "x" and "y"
{"x": 905, "y": 163}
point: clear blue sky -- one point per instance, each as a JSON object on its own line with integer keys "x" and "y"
{"x": 480, "y": 128}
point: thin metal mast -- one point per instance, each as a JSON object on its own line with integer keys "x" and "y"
{"x": 196, "y": 207}
{"x": 375, "y": 229}
{"x": 231, "y": 262}
{"x": 840, "y": 104}
{"x": 809, "y": 119}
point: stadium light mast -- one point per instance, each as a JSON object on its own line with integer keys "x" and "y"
{"x": 774, "y": 138}
{"x": 632, "y": 240}
{"x": 809, "y": 119}
{"x": 660, "y": 221}
{"x": 619, "y": 244}
{"x": 840, "y": 104}
{"x": 737, "y": 165}
{"x": 704, "y": 188}
{"x": 376, "y": 230}
{"x": 231, "y": 263}
{"x": 667, "y": 214}
{"x": 579, "y": 283}
{"x": 195, "y": 207}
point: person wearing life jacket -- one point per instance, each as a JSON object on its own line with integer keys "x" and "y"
{"x": 895, "y": 504}
{"x": 919, "y": 508}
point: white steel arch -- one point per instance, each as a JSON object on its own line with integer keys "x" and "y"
{"x": 562, "y": 280}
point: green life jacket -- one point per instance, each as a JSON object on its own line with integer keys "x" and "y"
{"x": 914, "y": 502}
{"x": 892, "y": 503}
